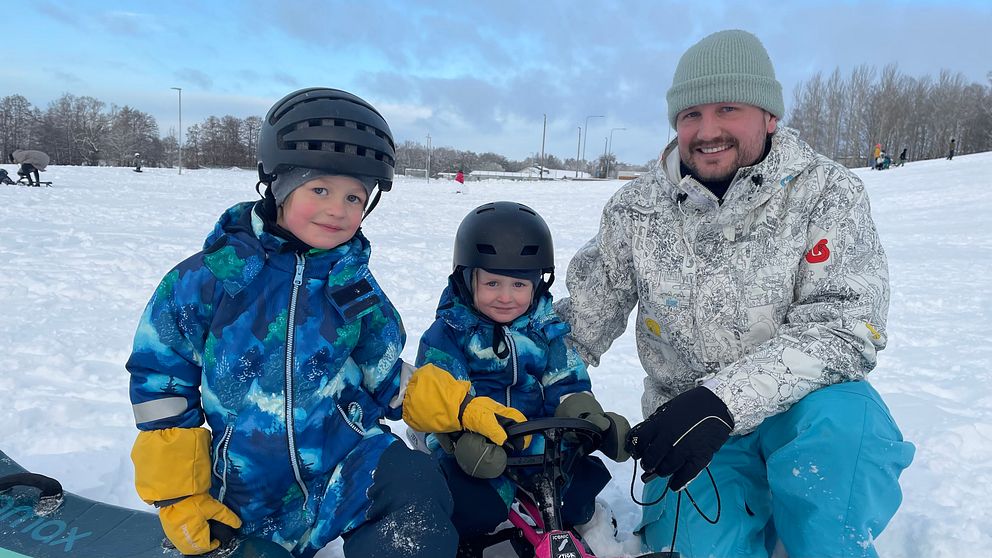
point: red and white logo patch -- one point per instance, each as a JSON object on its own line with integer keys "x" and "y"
{"x": 818, "y": 253}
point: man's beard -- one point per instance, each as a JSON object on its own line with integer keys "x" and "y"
{"x": 744, "y": 158}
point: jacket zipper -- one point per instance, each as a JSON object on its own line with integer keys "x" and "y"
{"x": 290, "y": 428}
{"x": 357, "y": 428}
{"x": 222, "y": 456}
{"x": 508, "y": 335}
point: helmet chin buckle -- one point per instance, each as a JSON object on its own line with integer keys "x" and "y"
{"x": 264, "y": 176}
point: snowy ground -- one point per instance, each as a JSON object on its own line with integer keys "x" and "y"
{"x": 79, "y": 261}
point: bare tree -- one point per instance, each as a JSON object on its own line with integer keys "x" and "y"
{"x": 250, "y": 128}
{"x": 18, "y": 125}
{"x": 131, "y": 131}
{"x": 846, "y": 119}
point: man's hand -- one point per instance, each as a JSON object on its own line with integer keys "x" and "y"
{"x": 680, "y": 438}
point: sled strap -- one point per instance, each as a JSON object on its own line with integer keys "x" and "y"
{"x": 48, "y": 486}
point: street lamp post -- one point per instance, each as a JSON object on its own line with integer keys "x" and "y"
{"x": 427, "y": 172}
{"x": 586, "y": 137}
{"x": 544, "y": 136}
{"x": 609, "y": 144}
{"x": 577, "y": 148}
{"x": 180, "y": 140}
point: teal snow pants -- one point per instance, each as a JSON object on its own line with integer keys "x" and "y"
{"x": 821, "y": 477}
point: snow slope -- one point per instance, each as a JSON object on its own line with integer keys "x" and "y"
{"x": 79, "y": 261}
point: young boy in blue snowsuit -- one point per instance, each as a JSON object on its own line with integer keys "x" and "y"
{"x": 497, "y": 348}
{"x": 278, "y": 336}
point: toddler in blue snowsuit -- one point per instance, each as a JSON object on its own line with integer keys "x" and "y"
{"x": 496, "y": 338}
{"x": 277, "y": 335}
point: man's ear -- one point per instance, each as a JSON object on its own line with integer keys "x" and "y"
{"x": 771, "y": 122}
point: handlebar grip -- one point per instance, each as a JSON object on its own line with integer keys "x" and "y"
{"x": 222, "y": 532}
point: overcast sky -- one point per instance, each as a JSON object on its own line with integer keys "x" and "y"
{"x": 474, "y": 75}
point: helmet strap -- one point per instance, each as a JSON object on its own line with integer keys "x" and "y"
{"x": 260, "y": 193}
{"x": 544, "y": 286}
{"x": 373, "y": 203}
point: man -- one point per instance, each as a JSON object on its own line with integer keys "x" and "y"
{"x": 762, "y": 292}
{"x": 950, "y": 150}
{"x": 31, "y": 162}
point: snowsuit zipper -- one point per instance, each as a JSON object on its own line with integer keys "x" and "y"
{"x": 508, "y": 335}
{"x": 290, "y": 326}
{"x": 222, "y": 457}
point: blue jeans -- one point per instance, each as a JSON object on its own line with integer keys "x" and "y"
{"x": 822, "y": 477}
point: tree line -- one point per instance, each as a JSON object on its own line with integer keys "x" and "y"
{"x": 79, "y": 131}
{"x": 86, "y": 131}
{"x": 844, "y": 117}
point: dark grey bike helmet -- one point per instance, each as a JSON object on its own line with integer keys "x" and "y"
{"x": 330, "y": 130}
{"x": 504, "y": 236}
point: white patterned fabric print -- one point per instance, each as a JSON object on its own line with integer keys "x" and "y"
{"x": 779, "y": 291}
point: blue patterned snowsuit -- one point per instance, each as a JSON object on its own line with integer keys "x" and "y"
{"x": 292, "y": 359}
{"x": 538, "y": 371}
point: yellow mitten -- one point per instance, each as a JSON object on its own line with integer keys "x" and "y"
{"x": 172, "y": 470}
{"x": 186, "y": 522}
{"x": 482, "y": 415}
{"x": 436, "y": 402}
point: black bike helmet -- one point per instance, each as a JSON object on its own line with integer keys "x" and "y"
{"x": 330, "y": 130}
{"x": 504, "y": 236}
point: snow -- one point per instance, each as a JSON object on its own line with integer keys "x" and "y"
{"x": 78, "y": 262}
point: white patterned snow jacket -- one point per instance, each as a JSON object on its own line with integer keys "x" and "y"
{"x": 778, "y": 292}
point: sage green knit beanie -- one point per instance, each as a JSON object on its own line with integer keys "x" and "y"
{"x": 726, "y": 67}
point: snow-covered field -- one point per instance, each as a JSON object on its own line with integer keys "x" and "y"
{"x": 79, "y": 261}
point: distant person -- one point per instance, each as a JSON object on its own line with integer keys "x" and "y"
{"x": 950, "y": 150}
{"x": 877, "y": 153}
{"x": 279, "y": 337}
{"x": 5, "y": 178}
{"x": 885, "y": 161}
{"x": 761, "y": 292}
{"x": 137, "y": 162}
{"x": 31, "y": 161}
{"x": 902, "y": 157}
{"x": 460, "y": 177}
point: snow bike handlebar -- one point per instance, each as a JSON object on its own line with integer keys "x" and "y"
{"x": 553, "y": 429}
{"x": 541, "y": 425}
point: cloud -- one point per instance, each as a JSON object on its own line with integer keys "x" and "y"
{"x": 58, "y": 13}
{"x": 123, "y": 23}
{"x": 65, "y": 77}
{"x": 196, "y": 77}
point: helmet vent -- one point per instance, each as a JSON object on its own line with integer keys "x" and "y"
{"x": 526, "y": 209}
{"x": 486, "y": 249}
{"x": 529, "y": 250}
{"x": 336, "y": 147}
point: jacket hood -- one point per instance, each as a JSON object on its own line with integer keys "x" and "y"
{"x": 239, "y": 244}
{"x": 244, "y": 219}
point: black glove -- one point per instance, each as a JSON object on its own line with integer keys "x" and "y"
{"x": 614, "y": 427}
{"x": 680, "y": 438}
